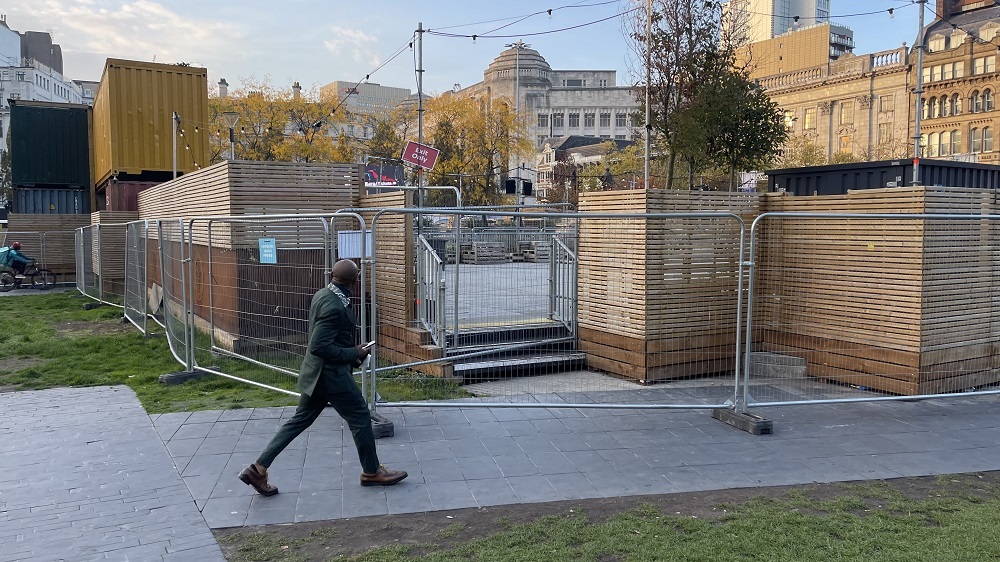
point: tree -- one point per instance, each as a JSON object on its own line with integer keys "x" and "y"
{"x": 704, "y": 108}
{"x": 276, "y": 125}
{"x": 477, "y": 139}
{"x": 800, "y": 151}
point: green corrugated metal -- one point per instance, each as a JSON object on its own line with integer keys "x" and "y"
{"x": 50, "y": 144}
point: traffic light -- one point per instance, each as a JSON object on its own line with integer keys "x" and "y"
{"x": 510, "y": 186}
{"x": 526, "y": 188}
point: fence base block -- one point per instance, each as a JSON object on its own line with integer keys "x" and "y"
{"x": 92, "y": 305}
{"x": 751, "y": 423}
{"x": 181, "y": 377}
{"x": 382, "y": 427}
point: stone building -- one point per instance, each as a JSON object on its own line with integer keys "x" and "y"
{"x": 857, "y": 106}
{"x": 558, "y": 103}
{"x": 960, "y": 82}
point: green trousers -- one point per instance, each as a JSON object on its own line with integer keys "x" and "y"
{"x": 345, "y": 397}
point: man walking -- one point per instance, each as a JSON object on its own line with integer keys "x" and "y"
{"x": 326, "y": 378}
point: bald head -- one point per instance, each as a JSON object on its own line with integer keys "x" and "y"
{"x": 345, "y": 272}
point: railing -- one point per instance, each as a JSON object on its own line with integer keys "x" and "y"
{"x": 431, "y": 296}
{"x": 562, "y": 289}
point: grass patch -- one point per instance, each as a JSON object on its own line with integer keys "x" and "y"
{"x": 49, "y": 340}
{"x": 953, "y": 528}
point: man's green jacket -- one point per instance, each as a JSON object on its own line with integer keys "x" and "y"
{"x": 332, "y": 349}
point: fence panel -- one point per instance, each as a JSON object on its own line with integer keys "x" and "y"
{"x": 59, "y": 254}
{"x": 136, "y": 287}
{"x": 174, "y": 283}
{"x": 254, "y": 280}
{"x": 88, "y": 263}
{"x": 872, "y": 307}
{"x": 110, "y": 251}
{"x": 564, "y": 311}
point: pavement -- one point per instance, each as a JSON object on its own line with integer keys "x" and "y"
{"x": 85, "y": 474}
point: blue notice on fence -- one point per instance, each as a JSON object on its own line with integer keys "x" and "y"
{"x": 268, "y": 250}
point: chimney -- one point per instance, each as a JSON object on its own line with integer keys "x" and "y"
{"x": 943, "y": 9}
{"x": 296, "y": 91}
{"x": 223, "y": 88}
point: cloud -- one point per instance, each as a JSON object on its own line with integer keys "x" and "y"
{"x": 354, "y": 43}
{"x": 138, "y": 29}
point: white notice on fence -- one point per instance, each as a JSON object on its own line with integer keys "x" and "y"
{"x": 349, "y": 244}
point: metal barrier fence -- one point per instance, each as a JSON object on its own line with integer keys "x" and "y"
{"x": 863, "y": 307}
{"x": 50, "y": 250}
{"x": 101, "y": 262}
{"x": 658, "y": 295}
{"x": 142, "y": 299}
{"x": 824, "y": 307}
{"x": 88, "y": 260}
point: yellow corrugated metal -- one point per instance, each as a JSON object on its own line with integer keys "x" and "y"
{"x": 132, "y": 110}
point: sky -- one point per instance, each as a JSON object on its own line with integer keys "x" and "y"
{"x": 317, "y": 42}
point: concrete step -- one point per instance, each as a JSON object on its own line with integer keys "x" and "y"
{"x": 771, "y": 365}
{"x": 521, "y": 365}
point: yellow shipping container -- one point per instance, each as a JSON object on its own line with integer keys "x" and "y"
{"x": 132, "y": 118}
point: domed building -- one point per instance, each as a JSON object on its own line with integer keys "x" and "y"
{"x": 562, "y": 103}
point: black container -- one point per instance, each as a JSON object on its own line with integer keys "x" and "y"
{"x": 37, "y": 201}
{"x": 50, "y": 145}
{"x": 837, "y": 179}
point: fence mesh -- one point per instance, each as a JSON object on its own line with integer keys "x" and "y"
{"x": 531, "y": 299}
{"x": 254, "y": 280}
{"x": 87, "y": 264}
{"x": 861, "y": 307}
{"x": 136, "y": 299}
{"x": 174, "y": 282}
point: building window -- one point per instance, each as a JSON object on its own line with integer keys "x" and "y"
{"x": 943, "y": 106}
{"x": 557, "y": 120}
{"x": 619, "y": 120}
{"x": 946, "y": 71}
{"x": 541, "y": 140}
{"x": 927, "y": 74}
{"x": 574, "y": 119}
{"x": 884, "y": 133}
{"x": 959, "y": 69}
{"x": 885, "y": 103}
{"x": 605, "y": 119}
{"x": 589, "y": 120}
{"x": 956, "y": 142}
{"x": 923, "y": 145}
{"x": 619, "y": 137}
{"x": 933, "y": 111}
{"x": 944, "y": 146}
{"x": 985, "y": 65}
{"x": 987, "y": 100}
{"x": 987, "y": 139}
{"x": 935, "y": 73}
{"x": 19, "y": 76}
{"x": 846, "y": 112}
{"x": 605, "y": 136}
{"x": 936, "y": 43}
{"x": 809, "y": 118}
{"x": 956, "y": 104}
{"x": 845, "y": 144}
{"x": 603, "y": 83}
{"x": 977, "y": 140}
{"x": 932, "y": 145}
{"x": 543, "y": 120}
{"x": 573, "y": 83}
{"x": 975, "y": 102}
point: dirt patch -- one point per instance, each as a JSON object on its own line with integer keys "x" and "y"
{"x": 80, "y": 328}
{"x": 11, "y": 364}
{"x": 323, "y": 540}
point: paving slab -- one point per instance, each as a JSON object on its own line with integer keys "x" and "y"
{"x": 86, "y": 476}
{"x": 476, "y": 456}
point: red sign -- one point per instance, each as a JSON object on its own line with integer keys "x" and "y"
{"x": 420, "y": 155}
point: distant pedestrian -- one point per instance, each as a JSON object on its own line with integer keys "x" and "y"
{"x": 326, "y": 378}
{"x": 13, "y": 258}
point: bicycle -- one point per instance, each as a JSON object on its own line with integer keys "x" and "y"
{"x": 41, "y": 278}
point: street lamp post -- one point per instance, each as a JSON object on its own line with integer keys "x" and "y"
{"x": 517, "y": 101}
{"x": 231, "y": 118}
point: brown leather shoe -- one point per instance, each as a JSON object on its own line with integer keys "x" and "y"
{"x": 252, "y": 477}
{"x": 382, "y": 477}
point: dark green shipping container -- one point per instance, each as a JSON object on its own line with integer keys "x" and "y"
{"x": 50, "y": 145}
